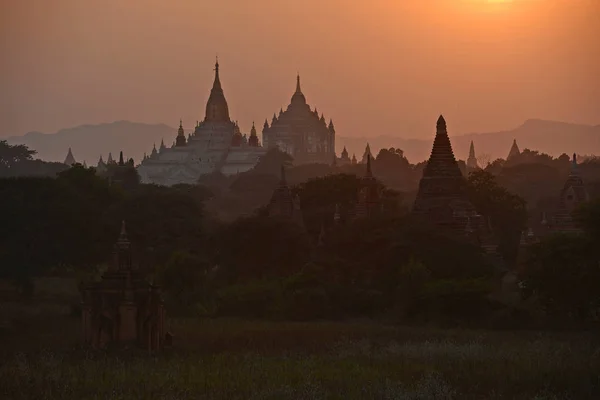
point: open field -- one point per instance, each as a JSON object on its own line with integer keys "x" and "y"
{"x": 232, "y": 359}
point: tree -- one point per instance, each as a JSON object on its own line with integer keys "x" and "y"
{"x": 563, "y": 272}
{"x": 272, "y": 162}
{"x": 262, "y": 247}
{"x": 10, "y": 156}
{"x": 506, "y": 211}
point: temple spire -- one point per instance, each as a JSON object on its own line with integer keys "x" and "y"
{"x": 442, "y": 161}
{"x": 472, "y": 160}
{"x": 298, "y": 97}
{"x": 514, "y": 150}
{"x": 70, "y": 160}
{"x": 217, "y": 109}
{"x": 369, "y": 173}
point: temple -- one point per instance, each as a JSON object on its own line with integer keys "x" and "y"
{"x": 369, "y": 196}
{"x": 123, "y": 310}
{"x": 442, "y": 197}
{"x": 300, "y": 132}
{"x": 283, "y": 203}
{"x": 472, "y": 160}
{"x": 514, "y": 151}
{"x": 367, "y": 154}
{"x": 571, "y": 196}
{"x": 215, "y": 145}
{"x": 69, "y": 160}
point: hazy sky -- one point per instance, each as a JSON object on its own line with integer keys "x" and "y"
{"x": 376, "y": 67}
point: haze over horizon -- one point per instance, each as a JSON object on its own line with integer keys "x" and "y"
{"x": 389, "y": 68}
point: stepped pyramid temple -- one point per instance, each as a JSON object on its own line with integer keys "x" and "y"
{"x": 442, "y": 197}
{"x": 472, "y": 160}
{"x": 572, "y": 195}
{"x": 69, "y": 160}
{"x": 216, "y": 145}
{"x": 301, "y": 132}
{"x": 122, "y": 309}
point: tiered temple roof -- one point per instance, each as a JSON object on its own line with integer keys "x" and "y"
{"x": 442, "y": 194}
{"x": 301, "y": 132}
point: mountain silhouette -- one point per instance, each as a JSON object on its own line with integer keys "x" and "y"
{"x": 89, "y": 142}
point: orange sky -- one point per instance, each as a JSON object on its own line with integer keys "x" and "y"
{"x": 376, "y": 67}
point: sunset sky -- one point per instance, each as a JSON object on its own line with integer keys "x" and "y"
{"x": 376, "y": 67}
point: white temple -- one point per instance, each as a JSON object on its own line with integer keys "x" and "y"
{"x": 216, "y": 145}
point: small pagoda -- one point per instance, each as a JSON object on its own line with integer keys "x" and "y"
{"x": 442, "y": 196}
{"x": 572, "y": 195}
{"x": 369, "y": 194}
{"x": 122, "y": 309}
{"x": 283, "y": 203}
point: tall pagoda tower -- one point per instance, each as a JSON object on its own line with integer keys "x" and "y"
{"x": 442, "y": 197}
{"x": 472, "y": 160}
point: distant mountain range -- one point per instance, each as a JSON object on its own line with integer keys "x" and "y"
{"x": 88, "y": 142}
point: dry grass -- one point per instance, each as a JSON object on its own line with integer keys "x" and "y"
{"x": 232, "y": 359}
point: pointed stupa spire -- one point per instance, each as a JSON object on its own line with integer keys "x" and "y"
{"x": 514, "y": 150}
{"x": 298, "y": 97}
{"x": 366, "y": 153}
{"x": 121, "y": 161}
{"x": 110, "y": 159}
{"x": 70, "y": 160}
{"x": 574, "y": 165}
{"x": 369, "y": 173}
{"x": 472, "y": 160}
{"x": 217, "y": 109}
{"x": 442, "y": 161}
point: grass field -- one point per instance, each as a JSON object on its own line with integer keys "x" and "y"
{"x": 232, "y": 359}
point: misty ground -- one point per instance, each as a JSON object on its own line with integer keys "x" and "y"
{"x": 244, "y": 359}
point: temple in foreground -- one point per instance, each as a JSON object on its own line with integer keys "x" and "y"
{"x": 216, "y": 145}
{"x": 123, "y": 310}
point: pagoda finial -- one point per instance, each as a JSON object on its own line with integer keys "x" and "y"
{"x": 369, "y": 172}
{"x": 180, "y": 123}
{"x": 441, "y": 122}
{"x": 121, "y": 162}
{"x": 298, "y": 90}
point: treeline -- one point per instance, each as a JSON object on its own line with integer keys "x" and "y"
{"x": 257, "y": 266}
